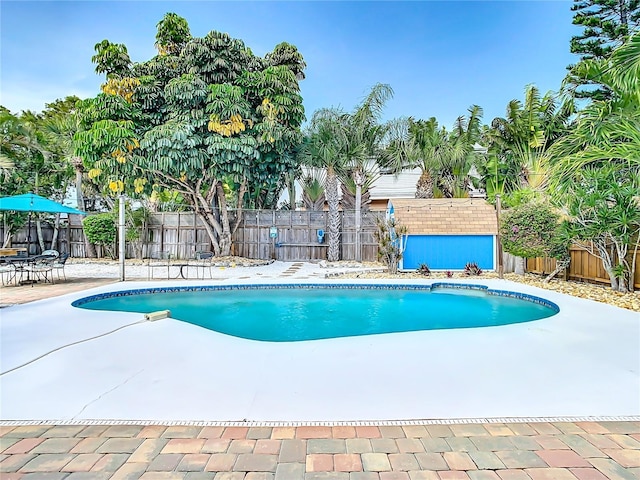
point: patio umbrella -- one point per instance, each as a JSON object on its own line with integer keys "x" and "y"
{"x": 30, "y": 202}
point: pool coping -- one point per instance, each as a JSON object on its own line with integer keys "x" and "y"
{"x": 322, "y": 286}
{"x": 327, "y": 423}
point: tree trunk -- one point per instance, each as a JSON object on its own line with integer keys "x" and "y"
{"x": 291, "y": 187}
{"x": 621, "y": 252}
{"x": 358, "y": 178}
{"x": 632, "y": 275}
{"x": 333, "y": 200}
{"x": 79, "y": 196}
{"x": 56, "y": 229}
{"x": 424, "y": 187}
{"x": 561, "y": 264}
{"x": 204, "y": 210}
{"x": 225, "y": 236}
{"x": 39, "y": 233}
{"x": 520, "y": 265}
{"x": 607, "y": 263}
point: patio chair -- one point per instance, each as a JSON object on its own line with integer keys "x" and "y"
{"x": 159, "y": 260}
{"x": 50, "y": 253}
{"x": 58, "y": 264}
{"x": 43, "y": 268}
{"x": 204, "y": 261}
{"x": 8, "y": 272}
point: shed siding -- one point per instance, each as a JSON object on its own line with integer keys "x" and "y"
{"x": 449, "y": 252}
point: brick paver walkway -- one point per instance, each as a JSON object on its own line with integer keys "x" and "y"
{"x": 14, "y": 295}
{"x": 495, "y": 451}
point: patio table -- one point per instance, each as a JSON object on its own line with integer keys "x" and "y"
{"x": 21, "y": 262}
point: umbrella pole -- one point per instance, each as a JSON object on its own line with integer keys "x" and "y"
{"x": 29, "y": 235}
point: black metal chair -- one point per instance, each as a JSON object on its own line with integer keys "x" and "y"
{"x": 204, "y": 261}
{"x": 59, "y": 263}
{"x": 160, "y": 260}
{"x": 43, "y": 268}
{"x": 8, "y": 272}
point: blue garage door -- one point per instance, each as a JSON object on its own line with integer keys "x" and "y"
{"x": 449, "y": 252}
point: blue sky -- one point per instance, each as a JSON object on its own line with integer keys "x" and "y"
{"x": 440, "y": 57}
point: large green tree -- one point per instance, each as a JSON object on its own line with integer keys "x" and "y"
{"x": 605, "y": 219}
{"x": 33, "y": 158}
{"x": 364, "y": 138}
{"x": 596, "y": 166}
{"x": 607, "y": 131}
{"x": 205, "y": 117}
{"x": 606, "y": 24}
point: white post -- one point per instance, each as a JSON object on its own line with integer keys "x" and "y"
{"x": 121, "y": 239}
{"x": 358, "y": 222}
{"x": 499, "y": 240}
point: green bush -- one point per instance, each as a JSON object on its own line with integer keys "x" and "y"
{"x": 101, "y": 230}
{"x": 532, "y": 230}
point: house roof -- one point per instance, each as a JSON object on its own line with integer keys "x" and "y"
{"x": 396, "y": 186}
{"x": 446, "y": 216}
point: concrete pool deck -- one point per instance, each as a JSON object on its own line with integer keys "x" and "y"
{"x": 170, "y": 400}
{"x": 582, "y": 362}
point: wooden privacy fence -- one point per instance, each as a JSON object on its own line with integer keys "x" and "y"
{"x": 584, "y": 267}
{"x": 182, "y": 234}
{"x": 70, "y": 237}
{"x": 293, "y": 235}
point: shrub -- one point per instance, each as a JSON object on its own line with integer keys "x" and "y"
{"x": 423, "y": 269}
{"x": 391, "y": 242}
{"x": 101, "y": 230}
{"x": 472, "y": 268}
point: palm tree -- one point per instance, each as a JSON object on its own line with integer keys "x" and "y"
{"x": 16, "y": 140}
{"x": 363, "y": 149}
{"x": 445, "y": 158}
{"x": 352, "y": 145}
{"x": 324, "y": 142}
{"x": 454, "y": 178}
{"x": 313, "y": 189}
{"x": 428, "y": 146}
{"x": 518, "y": 142}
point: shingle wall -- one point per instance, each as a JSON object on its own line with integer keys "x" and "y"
{"x": 451, "y": 216}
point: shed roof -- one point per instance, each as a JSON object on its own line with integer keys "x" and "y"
{"x": 446, "y": 216}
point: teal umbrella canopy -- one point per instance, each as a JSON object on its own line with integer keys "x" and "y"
{"x": 30, "y": 202}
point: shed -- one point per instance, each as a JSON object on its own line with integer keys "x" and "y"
{"x": 447, "y": 233}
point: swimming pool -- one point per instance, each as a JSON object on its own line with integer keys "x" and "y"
{"x": 289, "y": 313}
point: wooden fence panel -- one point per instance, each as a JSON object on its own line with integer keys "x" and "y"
{"x": 584, "y": 267}
{"x": 297, "y": 235}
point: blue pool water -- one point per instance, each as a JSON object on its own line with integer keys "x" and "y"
{"x": 284, "y": 314}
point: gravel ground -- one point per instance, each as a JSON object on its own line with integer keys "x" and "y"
{"x": 237, "y": 267}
